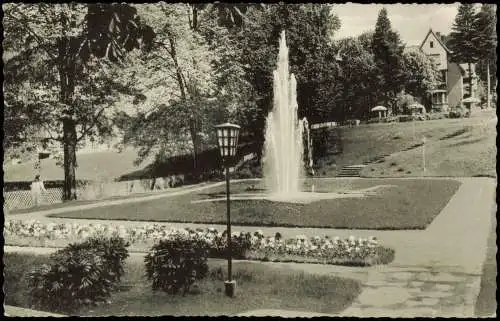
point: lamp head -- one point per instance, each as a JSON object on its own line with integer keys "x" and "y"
{"x": 227, "y": 140}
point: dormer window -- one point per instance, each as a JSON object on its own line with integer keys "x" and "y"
{"x": 432, "y": 44}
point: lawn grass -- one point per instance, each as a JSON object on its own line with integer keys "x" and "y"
{"x": 258, "y": 287}
{"x": 365, "y": 142}
{"x": 468, "y": 151}
{"x": 408, "y": 204}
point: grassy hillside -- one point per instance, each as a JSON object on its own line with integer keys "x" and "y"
{"x": 105, "y": 165}
{"x": 455, "y": 147}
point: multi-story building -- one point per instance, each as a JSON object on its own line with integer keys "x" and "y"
{"x": 454, "y": 82}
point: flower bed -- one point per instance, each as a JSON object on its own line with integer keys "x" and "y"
{"x": 256, "y": 246}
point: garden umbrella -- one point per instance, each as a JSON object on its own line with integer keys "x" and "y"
{"x": 379, "y": 109}
{"x": 469, "y": 101}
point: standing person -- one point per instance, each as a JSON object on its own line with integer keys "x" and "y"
{"x": 37, "y": 188}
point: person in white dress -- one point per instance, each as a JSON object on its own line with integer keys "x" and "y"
{"x": 37, "y": 190}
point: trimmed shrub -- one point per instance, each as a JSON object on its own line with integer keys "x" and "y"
{"x": 113, "y": 251}
{"x": 176, "y": 263}
{"x": 80, "y": 274}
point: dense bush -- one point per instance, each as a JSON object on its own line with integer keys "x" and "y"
{"x": 80, "y": 274}
{"x": 113, "y": 251}
{"x": 175, "y": 263}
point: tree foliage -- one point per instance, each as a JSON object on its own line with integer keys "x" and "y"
{"x": 420, "y": 77}
{"x": 486, "y": 40}
{"x": 463, "y": 40}
{"x": 177, "y": 85}
{"x": 388, "y": 53}
{"x": 50, "y": 76}
{"x": 357, "y": 79}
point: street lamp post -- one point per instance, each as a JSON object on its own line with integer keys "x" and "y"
{"x": 227, "y": 139}
{"x": 423, "y": 152}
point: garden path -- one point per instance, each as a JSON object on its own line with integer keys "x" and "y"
{"x": 436, "y": 272}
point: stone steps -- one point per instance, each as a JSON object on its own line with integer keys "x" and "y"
{"x": 351, "y": 170}
{"x": 354, "y": 170}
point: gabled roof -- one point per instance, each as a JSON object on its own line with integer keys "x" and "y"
{"x": 438, "y": 39}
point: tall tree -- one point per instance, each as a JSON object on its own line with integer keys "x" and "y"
{"x": 388, "y": 52}
{"x": 177, "y": 79}
{"x": 463, "y": 38}
{"x": 63, "y": 38}
{"x": 486, "y": 41}
{"x": 357, "y": 78}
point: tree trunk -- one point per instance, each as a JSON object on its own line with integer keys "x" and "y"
{"x": 67, "y": 83}
{"x": 194, "y": 138}
{"x": 183, "y": 88}
{"x": 489, "y": 83}
{"x": 195, "y": 18}
{"x": 69, "y": 144}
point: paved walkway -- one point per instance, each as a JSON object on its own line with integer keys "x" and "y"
{"x": 436, "y": 271}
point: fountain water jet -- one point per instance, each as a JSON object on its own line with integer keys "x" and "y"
{"x": 284, "y": 148}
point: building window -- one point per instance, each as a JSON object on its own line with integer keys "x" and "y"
{"x": 443, "y": 76}
{"x": 432, "y": 44}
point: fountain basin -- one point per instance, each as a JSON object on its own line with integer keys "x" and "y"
{"x": 297, "y": 197}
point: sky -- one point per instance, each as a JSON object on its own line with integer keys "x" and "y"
{"x": 411, "y": 21}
